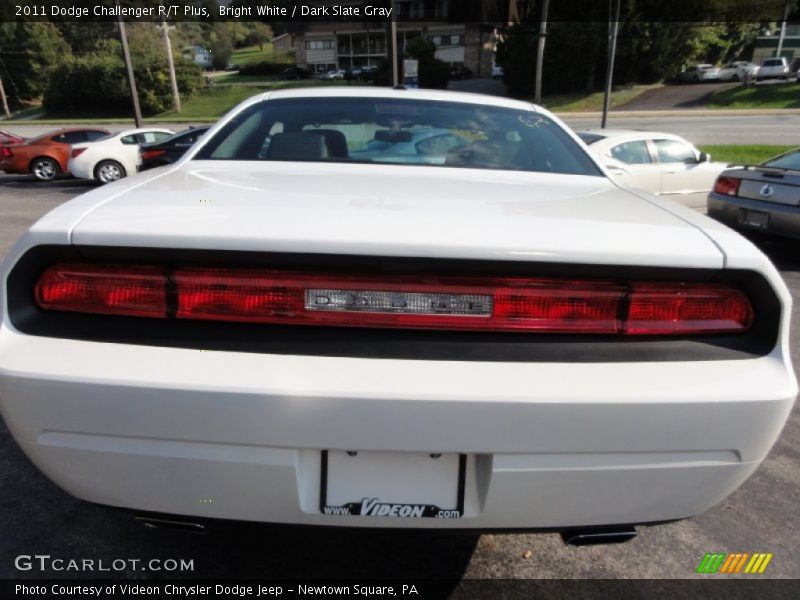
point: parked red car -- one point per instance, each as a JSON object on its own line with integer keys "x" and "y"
{"x": 45, "y": 157}
{"x": 9, "y": 139}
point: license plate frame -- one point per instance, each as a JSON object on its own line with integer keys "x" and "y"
{"x": 387, "y": 508}
{"x": 757, "y": 219}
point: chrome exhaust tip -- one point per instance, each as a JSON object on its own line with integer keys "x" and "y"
{"x": 588, "y": 537}
{"x": 174, "y": 525}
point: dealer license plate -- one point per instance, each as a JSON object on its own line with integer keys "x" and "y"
{"x": 755, "y": 218}
{"x": 393, "y": 484}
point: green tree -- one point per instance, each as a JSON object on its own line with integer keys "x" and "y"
{"x": 29, "y": 52}
{"x": 96, "y": 83}
{"x": 257, "y": 33}
{"x": 221, "y": 45}
{"x": 433, "y": 73}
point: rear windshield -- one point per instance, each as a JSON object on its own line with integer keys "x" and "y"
{"x": 790, "y": 160}
{"x": 773, "y": 63}
{"x": 398, "y": 132}
{"x": 590, "y": 138}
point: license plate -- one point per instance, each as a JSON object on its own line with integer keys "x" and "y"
{"x": 393, "y": 484}
{"x": 755, "y": 218}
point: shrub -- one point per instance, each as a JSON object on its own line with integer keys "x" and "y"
{"x": 263, "y": 68}
{"x": 98, "y": 83}
{"x": 433, "y": 73}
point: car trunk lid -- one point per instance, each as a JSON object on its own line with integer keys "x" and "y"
{"x": 336, "y": 208}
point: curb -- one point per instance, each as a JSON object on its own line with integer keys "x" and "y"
{"x": 688, "y": 112}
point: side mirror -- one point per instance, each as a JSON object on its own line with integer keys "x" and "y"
{"x": 704, "y": 157}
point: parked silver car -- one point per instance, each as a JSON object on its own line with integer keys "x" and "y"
{"x": 763, "y": 198}
{"x": 774, "y": 68}
{"x": 698, "y": 73}
{"x": 738, "y": 71}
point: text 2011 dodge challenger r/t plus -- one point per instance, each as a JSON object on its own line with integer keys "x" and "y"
{"x": 392, "y": 308}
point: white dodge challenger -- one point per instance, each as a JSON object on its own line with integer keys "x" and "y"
{"x": 323, "y": 315}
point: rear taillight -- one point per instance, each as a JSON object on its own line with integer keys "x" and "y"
{"x": 112, "y": 290}
{"x": 414, "y": 302}
{"x": 727, "y": 186}
{"x": 76, "y": 152}
{"x": 5, "y": 152}
{"x": 148, "y": 154}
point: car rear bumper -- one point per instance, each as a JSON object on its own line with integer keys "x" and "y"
{"x": 9, "y": 167}
{"x": 80, "y": 171}
{"x": 783, "y": 219}
{"x": 239, "y": 435}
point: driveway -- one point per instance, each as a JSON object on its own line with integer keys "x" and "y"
{"x": 691, "y": 95}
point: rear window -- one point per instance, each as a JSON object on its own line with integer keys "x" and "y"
{"x": 398, "y": 132}
{"x": 590, "y": 138}
{"x": 773, "y": 63}
{"x": 787, "y": 161}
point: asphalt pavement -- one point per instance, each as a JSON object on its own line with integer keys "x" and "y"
{"x": 767, "y": 129}
{"x": 37, "y": 517}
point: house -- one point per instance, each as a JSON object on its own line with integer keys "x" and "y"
{"x": 283, "y": 43}
{"x": 326, "y": 45}
{"x": 199, "y": 55}
{"x": 767, "y": 45}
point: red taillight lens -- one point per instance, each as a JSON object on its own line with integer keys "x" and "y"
{"x": 656, "y": 308}
{"x": 422, "y": 303}
{"x": 76, "y": 152}
{"x": 416, "y": 302}
{"x": 135, "y": 291}
{"x": 727, "y": 186}
{"x": 148, "y": 154}
{"x": 5, "y": 152}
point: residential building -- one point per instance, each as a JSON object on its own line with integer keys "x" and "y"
{"x": 767, "y": 45}
{"x": 323, "y": 46}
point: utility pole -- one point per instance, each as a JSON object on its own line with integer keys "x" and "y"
{"x": 176, "y": 99}
{"x": 783, "y": 30}
{"x": 5, "y": 101}
{"x": 612, "y": 50}
{"x": 537, "y": 96}
{"x": 393, "y": 42}
{"x": 137, "y": 112}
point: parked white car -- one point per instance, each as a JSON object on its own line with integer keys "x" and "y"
{"x": 699, "y": 73}
{"x": 113, "y": 157}
{"x": 497, "y": 72}
{"x": 268, "y": 330}
{"x": 738, "y": 71}
{"x": 659, "y": 163}
{"x": 774, "y": 68}
{"x": 333, "y": 74}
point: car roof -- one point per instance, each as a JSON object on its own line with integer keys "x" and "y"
{"x": 70, "y": 129}
{"x": 177, "y": 135}
{"x": 61, "y": 130}
{"x": 615, "y": 136}
{"x": 620, "y": 133}
{"x": 405, "y": 94}
{"x": 143, "y": 130}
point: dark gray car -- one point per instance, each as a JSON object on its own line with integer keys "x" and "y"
{"x": 763, "y": 198}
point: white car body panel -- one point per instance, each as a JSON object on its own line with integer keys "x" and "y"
{"x": 737, "y": 71}
{"x": 396, "y": 211}
{"x": 239, "y": 434}
{"x": 111, "y": 148}
{"x": 688, "y": 184}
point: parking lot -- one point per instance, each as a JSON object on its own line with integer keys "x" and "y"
{"x": 37, "y": 517}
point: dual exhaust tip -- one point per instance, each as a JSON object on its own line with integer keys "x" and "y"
{"x": 572, "y": 537}
{"x": 598, "y": 535}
